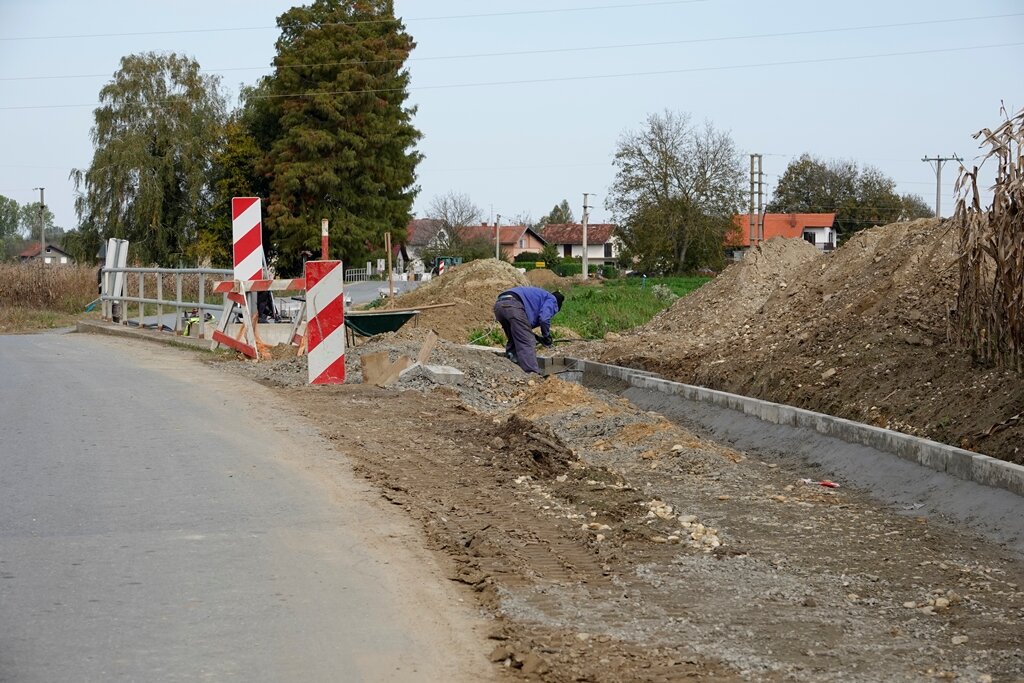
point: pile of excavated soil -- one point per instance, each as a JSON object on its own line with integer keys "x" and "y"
{"x": 472, "y": 287}
{"x": 862, "y": 333}
{"x": 542, "y": 277}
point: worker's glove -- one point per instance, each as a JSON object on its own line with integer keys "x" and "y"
{"x": 547, "y": 341}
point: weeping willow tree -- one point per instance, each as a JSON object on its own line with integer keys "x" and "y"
{"x": 158, "y": 126}
{"x": 990, "y": 301}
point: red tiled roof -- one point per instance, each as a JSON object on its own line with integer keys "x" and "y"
{"x": 33, "y": 250}
{"x": 778, "y": 225}
{"x": 420, "y": 231}
{"x": 572, "y": 233}
{"x": 510, "y": 234}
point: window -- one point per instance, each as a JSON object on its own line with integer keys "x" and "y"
{"x": 567, "y": 250}
{"x": 607, "y": 249}
{"x": 809, "y": 237}
{"x": 47, "y": 259}
{"x": 522, "y": 243}
{"x": 63, "y": 259}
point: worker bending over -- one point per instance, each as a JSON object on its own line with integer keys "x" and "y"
{"x": 519, "y": 310}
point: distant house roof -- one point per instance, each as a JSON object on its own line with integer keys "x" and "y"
{"x": 33, "y": 251}
{"x": 572, "y": 233}
{"x": 420, "y": 231}
{"x": 779, "y": 225}
{"x": 510, "y": 234}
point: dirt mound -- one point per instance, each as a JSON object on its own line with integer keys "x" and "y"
{"x": 532, "y": 447}
{"x": 542, "y": 277}
{"x": 861, "y": 333}
{"x": 472, "y": 287}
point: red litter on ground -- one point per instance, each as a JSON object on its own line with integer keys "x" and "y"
{"x": 826, "y": 483}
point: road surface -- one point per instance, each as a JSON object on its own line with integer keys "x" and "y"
{"x": 155, "y": 525}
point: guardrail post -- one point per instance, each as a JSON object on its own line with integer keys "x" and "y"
{"x": 142, "y": 304}
{"x": 202, "y": 301}
{"x": 177, "y": 301}
{"x": 160, "y": 298}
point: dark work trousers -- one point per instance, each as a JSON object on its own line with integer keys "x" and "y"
{"x": 512, "y": 317}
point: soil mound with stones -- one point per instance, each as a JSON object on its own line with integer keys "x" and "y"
{"x": 472, "y": 287}
{"x": 862, "y": 333}
{"x": 542, "y": 277}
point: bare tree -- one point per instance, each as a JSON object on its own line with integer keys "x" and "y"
{"x": 454, "y": 210}
{"x": 675, "y": 192}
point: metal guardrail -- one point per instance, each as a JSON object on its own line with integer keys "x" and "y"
{"x": 357, "y": 274}
{"x": 113, "y": 279}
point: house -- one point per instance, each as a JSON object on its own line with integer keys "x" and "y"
{"x": 515, "y": 239}
{"x": 54, "y": 255}
{"x": 420, "y": 234}
{"x": 816, "y": 228}
{"x": 602, "y": 246}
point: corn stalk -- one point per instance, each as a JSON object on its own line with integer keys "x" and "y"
{"x": 990, "y": 301}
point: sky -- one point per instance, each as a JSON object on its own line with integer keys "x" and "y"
{"x": 521, "y": 102}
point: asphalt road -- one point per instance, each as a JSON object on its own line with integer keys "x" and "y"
{"x": 156, "y": 526}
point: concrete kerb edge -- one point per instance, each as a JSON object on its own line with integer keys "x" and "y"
{"x": 117, "y": 330}
{"x": 956, "y": 462}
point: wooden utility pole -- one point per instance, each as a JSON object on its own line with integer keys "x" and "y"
{"x": 391, "y": 280}
{"x": 42, "y": 228}
{"x": 324, "y": 239}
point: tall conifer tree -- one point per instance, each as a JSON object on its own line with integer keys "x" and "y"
{"x": 343, "y": 143}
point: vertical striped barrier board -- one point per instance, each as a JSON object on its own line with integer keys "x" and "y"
{"x": 325, "y": 326}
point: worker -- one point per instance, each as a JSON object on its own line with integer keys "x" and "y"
{"x": 521, "y": 309}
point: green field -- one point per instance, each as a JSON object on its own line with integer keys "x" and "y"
{"x": 591, "y": 311}
{"x": 620, "y": 304}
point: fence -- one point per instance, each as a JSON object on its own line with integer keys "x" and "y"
{"x": 196, "y": 280}
{"x": 357, "y": 274}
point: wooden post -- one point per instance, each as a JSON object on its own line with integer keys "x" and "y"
{"x": 391, "y": 280}
{"x": 324, "y": 244}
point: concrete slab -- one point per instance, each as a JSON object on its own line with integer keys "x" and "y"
{"x": 442, "y": 374}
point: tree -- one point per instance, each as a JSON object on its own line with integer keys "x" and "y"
{"x": 28, "y": 221}
{"x": 235, "y": 173}
{"x": 675, "y": 192}
{"x": 561, "y": 213}
{"x": 157, "y": 127}
{"x": 342, "y": 147}
{"x": 9, "y": 223}
{"x": 914, "y": 206}
{"x": 859, "y": 198}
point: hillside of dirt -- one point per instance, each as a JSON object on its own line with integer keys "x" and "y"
{"x": 546, "y": 278}
{"x": 861, "y": 333}
{"x": 472, "y": 287}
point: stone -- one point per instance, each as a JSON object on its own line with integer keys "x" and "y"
{"x": 941, "y": 603}
{"x": 828, "y": 373}
{"x": 959, "y": 640}
{"x": 910, "y": 604}
{"x": 809, "y": 602}
{"x": 534, "y": 664}
{"x": 442, "y": 374}
{"x": 497, "y": 443}
{"x": 500, "y": 653}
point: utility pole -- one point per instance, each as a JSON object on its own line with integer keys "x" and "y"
{"x": 42, "y": 227}
{"x": 756, "y": 216}
{"x": 497, "y": 237}
{"x": 585, "y": 273}
{"x": 751, "y": 216}
{"x": 937, "y": 165}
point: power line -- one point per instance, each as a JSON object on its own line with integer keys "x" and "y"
{"x": 489, "y": 15}
{"x": 561, "y": 50}
{"x": 667, "y": 72}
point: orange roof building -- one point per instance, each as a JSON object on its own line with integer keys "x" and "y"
{"x": 816, "y": 228}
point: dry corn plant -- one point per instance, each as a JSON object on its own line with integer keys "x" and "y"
{"x": 990, "y": 301}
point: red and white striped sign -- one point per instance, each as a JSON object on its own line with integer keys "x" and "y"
{"x": 295, "y": 284}
{"x": 247, "y": 237}
{"x": 440, "y": 268}
{"x": 325, "y": 326}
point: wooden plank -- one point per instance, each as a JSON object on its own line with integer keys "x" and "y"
{"x": 392, "y": 373}
{"x": 428, "y": 347}
{"x": 374, "y": 366}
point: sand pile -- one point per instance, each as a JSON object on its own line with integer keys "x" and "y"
{"x": 472, "y": 287}
{"x": 861, "y": 333}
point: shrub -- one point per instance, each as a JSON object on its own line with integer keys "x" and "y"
{"x": 60, "y": 288}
